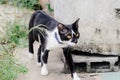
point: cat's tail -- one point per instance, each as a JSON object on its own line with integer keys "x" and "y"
{"x": 40, "y": 28}
{"x": 37, "y": 7}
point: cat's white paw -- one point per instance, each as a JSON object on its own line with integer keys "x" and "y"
{"x": 44, "y": 70}
{"x": 39, "y": 64}
{"x": 31, "y": 56}
{"x": 75, "y": 77}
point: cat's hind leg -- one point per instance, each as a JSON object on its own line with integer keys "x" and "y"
{"x": 39, "y": 56}
{"x": 44, "y": 60}
{"x": 31, "y": 41}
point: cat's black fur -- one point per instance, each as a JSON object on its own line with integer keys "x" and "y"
{"x": 65, "y": 33}
{"x": 40, "y": 17}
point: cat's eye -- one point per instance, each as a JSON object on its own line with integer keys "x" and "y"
{"x": 69, "y": 37}
{"x": 77, "y": 35}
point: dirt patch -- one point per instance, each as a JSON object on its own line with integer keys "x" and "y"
{"x": 55, "y": 67}
{"x": 11, "y": 14}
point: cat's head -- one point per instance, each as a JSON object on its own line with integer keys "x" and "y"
{"x": 69, "y": 34}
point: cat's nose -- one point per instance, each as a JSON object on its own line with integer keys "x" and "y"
{"x": 76, "y": 42}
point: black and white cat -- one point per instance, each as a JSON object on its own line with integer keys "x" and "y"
{"x": 56, "y": 35}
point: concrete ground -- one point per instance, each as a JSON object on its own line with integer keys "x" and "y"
{"x": 55, "y": 67}
{"x": 110, "y": 76}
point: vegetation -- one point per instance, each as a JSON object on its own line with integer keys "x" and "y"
{"x": 49, "y": 8}
{"x": 16, "y": 36}
{"x": 9, "y": 69}
{"x": 3, "y": 1}
{"x": 21, "y": 3}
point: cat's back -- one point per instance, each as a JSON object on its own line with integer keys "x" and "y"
{"x": 42, "y": 14}
{"x": 40, "y": 17}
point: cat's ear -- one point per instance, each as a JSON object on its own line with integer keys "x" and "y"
{"x": 60, "y": 26}
{"x": 76, "y": 22}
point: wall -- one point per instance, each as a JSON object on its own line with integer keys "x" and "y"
{"x": 98, "y": 25}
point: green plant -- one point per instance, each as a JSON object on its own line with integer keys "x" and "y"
{"x": 3, "y": 1}
{"x": 49, "y": 7}
{"x": 24, "y": 3}
{"x": 21, "y": 3}
{"x": 17, "y": 34}
{"x": 9, "y": 69}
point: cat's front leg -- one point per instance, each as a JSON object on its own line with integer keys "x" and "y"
{"x": 44, "y": 70}
{"x": 75, "y": 76}
{"x": 70, "y": 63}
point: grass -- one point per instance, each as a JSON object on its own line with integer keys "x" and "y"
{"x": 30, "y": 4}
{"x": 3, "y": 1}
{"x": 21, "y": 3}
{"x": 9, "y": 69}
{"x": 16, "y": 35}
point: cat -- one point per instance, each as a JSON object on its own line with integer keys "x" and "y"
{"x": 54, "y": 35}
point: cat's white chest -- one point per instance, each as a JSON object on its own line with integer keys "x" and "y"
{"x": 52, "y": 42}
